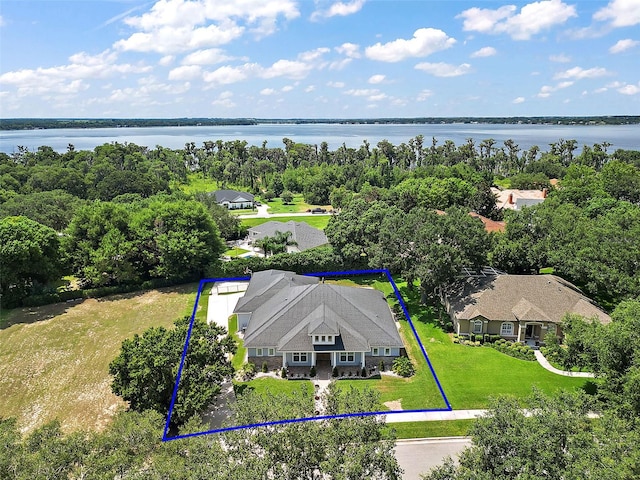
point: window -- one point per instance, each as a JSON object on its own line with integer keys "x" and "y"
{"x": 553, "y": 328}
{"x": 330, "y": 339}
{"x": 506, "y": 329}
{"x": 299, "y": 357}
{"x": 347, "y": 356}
{"x": 375, "y": 352}
{"x": 477, "y": 326}
{"x": 316, "y": 338}
{"x": 324, "y": 338}
{"x": 258, "y": 352}
{"x": 272, "y": 352}
{"x": 387, "y": 352}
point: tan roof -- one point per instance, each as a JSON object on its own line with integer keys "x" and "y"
{"x": 511, "y": 198}
{"x": 489, "y": 225}
{"x": 522, "y": 297}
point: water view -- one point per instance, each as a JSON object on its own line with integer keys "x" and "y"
{"x": 618, "y": 136}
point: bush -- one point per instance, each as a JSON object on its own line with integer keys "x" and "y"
{"x": 312, "y": 372}
{"x": 381, "y": 366}
{"x": 403, "y": 367}
{"x": 363, "y": 373}
{"x": 334, "y": 372}
{"x": 265, "y": 367}
{"x": 283, "y": 373}
{"x": 516, "y": 350}
{"x": 248, "y": 371}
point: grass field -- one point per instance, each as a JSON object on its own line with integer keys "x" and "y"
{"x": 297, "y": 206}
{"x": 238, "y": 358}
{"x": 316, "y": 221}
{"x": 438, "y": 428}
{"x": 235, "y": 252}
{"x": 197, "y": 183}
{"x": 54, "y": 359}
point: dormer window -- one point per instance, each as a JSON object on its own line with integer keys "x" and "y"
{"x": 323, "y": 339}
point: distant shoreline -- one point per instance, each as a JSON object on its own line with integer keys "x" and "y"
{"x": 86, "y": 123}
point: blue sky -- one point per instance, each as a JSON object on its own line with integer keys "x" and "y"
{"x": 318, "y": 59}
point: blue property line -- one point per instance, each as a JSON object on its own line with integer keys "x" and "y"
{"x": 306, "y": 419}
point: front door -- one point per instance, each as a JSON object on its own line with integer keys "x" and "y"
{"x": 529, "y": 331}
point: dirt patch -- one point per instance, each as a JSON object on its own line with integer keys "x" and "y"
{"x": 394, "y": 405}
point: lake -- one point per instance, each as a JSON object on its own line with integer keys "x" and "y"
{"x": 619, "y": 136}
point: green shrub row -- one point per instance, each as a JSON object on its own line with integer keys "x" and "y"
{"x": 516, "y": 350}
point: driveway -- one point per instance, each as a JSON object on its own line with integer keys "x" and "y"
{"x": 221, "y": 306}
{"x": 419, "y": 455}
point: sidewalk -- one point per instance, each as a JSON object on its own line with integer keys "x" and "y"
{"x": 546, "y": 365}
{"x": 433, "y": 416}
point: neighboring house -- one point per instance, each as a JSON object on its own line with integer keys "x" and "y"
{"x": 233, "y": 199}
{"x": 516, "y": 199}
{"x": 293, "y": 320}
{"x": 522, "y": 308}
{"x": 304, "y": 235}
{"x": 490, "y": 226}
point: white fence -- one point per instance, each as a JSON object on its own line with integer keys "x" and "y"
{"x": 228, "y": 287}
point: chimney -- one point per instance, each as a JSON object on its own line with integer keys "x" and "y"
{"x": 510, "y": 201}
{"x": 544, "y": 193}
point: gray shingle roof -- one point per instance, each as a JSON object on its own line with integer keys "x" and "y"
{"x": 361, "y": 316}
{"x": 232, "y": 196}
{"x": 522, "y": 297}
{"x": 302, "y": 233}
{"x": 266, "y": 284}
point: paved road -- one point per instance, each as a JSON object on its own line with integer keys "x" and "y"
{"x": 262, "y": 213}
{"x": 545, "y": 364}
{"x": 419, "y": 455}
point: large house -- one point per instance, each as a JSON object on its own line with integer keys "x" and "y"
{"x": 522, "y": 308}
{"x": 302, "y": 234}
{"x": 233, "y": 199}
{"x": 293, "y": 320}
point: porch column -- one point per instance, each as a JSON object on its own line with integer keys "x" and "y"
{"x": 313, "y": 359}
{"x": 520, "y": 331}
{"x": 333, "y": 359}
{"x": 362, "y": 353}
{"x": 284, "y": 359}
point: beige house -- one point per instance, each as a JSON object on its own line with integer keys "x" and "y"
{"x": 516, "y": 199}
{"x": 522, "y": 308}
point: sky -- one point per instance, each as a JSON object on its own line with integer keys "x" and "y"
{"x": 318, "y": 58}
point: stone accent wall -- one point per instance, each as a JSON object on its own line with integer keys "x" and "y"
{"x": 273, "y": 363}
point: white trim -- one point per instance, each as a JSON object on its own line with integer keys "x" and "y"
{"x": 272, "y": 352}
{"x": 375, "y": 351}
{"x": 259, "y": 352}
{"x": 476, "y": 323}
{"x": 503, "y": 332}
{"x": 387, "y": 352}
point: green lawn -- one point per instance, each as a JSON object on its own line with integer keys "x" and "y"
{"x": 238, "y": 358}
{"x": 438, "y": 428}
{"x": 235, "y": 252}
{"x": 297, "y": 206}
{"x": 316, "y": 221}
{"x": 267, "y": 385}
{"x": 197, "y": 183}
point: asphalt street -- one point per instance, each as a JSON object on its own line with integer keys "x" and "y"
{"x": 419, "y": 455}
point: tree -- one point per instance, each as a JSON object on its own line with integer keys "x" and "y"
{"x": 286, "y": 196}
{"x": 229, "y": 225}
{"x": 553, "y": 440}
{"x": 29, "y": 256}
{"x": 145, "y": 371}
{"x": 276, "y": 244}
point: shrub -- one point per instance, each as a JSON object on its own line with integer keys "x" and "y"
{"x": 312, "y": 371}
{"x": 248, "y": 371}
{"x": 403, "y": 367}
{"x": 334, "y": 372}
{"x": 265, "y": 367}
{"x": 516, "y": 350}
{"x": 381, "y": 366}
{"x": 363, "y": 372}
{"x": 283, "y": 373}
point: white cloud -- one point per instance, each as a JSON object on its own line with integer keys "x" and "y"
{"x": 622, "y": 45}
{"x": 560, "y": 58}
{"x": 166, "y": 60}
{"x": 224, "y": 100}
{"x": 444, "y": 69}
{"x": 630, "y": 89}
{"x": 425, "y": 41}
{"x": 310, "y": 89}
{"x": 209, "y": 56}
{"x": 340, "y": 64}
{"x": 518, "y": 100}
{"x": 336, "y": 84}
{"x": 484, "y": 52}
{"x": 351, "y": 50}
{"x": 377, "y": 97}
{"x": 185, "y": 72}
{"x": 579, "y": 73}
{"x": 287, "y": 88}
{"x": 423, "y": 95}
{"x": 287, "y": 68}
{"x": 375, "y": 79}
{"x": 70, "y": 78}
{"x": 547, "y": 90}
{"x": 313, "y": 55}
{"x": 173, "y": 26}
{"x": 362, "y": 92}
{"x": 267, "y": 91}
{"x": 620, "y": 13}
{"x": 226, "y": 75}
{"x": 341, "y": 9}
{"x": 532, "y": 19}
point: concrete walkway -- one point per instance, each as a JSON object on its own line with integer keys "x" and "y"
{"x": 546, "y": 365}
{"x": 433, "y": 416}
